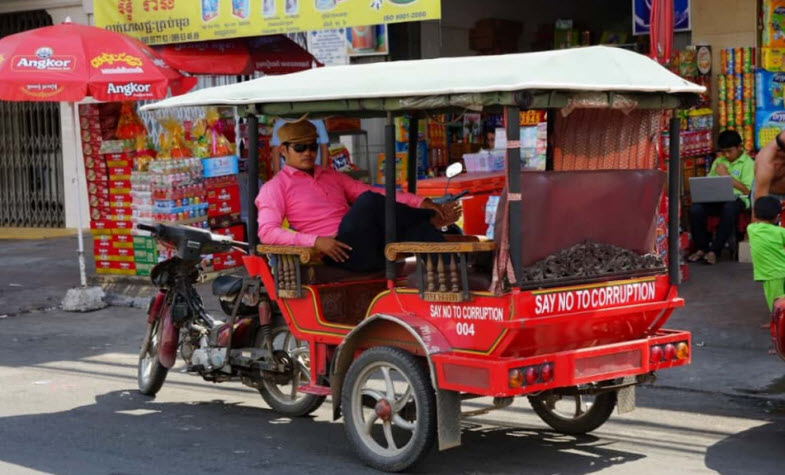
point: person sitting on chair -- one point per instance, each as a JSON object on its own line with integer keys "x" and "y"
{"x": 735, "y": 162}
{"x": 341, "y": 217}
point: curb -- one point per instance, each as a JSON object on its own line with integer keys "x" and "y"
{"x": 758, "y": 395}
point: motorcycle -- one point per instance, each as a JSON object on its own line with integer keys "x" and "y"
{"x": 252, "y": 345}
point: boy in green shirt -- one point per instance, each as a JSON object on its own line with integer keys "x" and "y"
{"x": 767, "y": 246}
{"x": 733, "y": 162}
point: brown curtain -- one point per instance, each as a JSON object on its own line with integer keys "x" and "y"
{"x": 604, "y": 139}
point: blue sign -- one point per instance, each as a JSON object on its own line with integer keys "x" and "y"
{"x": 641, "y": 14}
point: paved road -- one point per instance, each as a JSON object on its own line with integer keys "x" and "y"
{"x": 68, "y": 405}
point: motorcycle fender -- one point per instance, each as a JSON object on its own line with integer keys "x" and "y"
{"x": 423, "y": 339}
{"x": 154, "y": 307}
{"x": 168, "y": 336}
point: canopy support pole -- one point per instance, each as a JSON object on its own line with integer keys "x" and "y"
{"x": 512, "y": 124}
{"x": 389, "y": 190}
{"x": 674, "y": 189}
{"x": 253, "y": 180}
{"x": 411, "y": 163}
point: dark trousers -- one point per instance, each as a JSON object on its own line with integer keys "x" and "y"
{"x": 728, "y": 212}
{"x": 363, "y": 229}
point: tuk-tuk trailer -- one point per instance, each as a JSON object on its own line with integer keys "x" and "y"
{"x": 399, "y": 351}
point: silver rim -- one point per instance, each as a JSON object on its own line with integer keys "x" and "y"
{"x": 387, "y": 421}
{"x": 299, "y": 352}
{"x": 147, "y": 363}
{"x": 569, "y": 408}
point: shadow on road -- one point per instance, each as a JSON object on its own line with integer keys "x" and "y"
{"x": 756, "y": 450}
{"x": 125, "y": 432}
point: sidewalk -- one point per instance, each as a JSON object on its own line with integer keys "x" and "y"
{"x": 724, "y": 310}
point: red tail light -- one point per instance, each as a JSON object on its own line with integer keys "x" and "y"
{"x": 546, "y": 374}
{"x": 531, "y": 375}
{"x": 655, "y": 356}
{"x": 670, "y": 352}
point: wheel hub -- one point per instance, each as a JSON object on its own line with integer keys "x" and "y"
{"x": 383, "y": 410}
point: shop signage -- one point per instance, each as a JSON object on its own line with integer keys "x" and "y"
{"x": 641, "y": 16}
{"x": 177, "y": 21}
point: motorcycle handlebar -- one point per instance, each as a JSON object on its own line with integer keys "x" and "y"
{"x": 449, "y": 198}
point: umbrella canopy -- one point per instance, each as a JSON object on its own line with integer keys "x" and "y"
{"x": 661, "y": 30}
{"x": 275, "y": 54}
{"x": 68, "y": 62}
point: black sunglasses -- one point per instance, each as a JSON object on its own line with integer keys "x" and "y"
{"x": 302, "y": 147}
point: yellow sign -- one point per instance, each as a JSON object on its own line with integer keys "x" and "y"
{"x": 180, "y": 21}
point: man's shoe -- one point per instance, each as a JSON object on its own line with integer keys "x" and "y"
{"x": 696, "y": 256}
{"x": 710, "y": 258}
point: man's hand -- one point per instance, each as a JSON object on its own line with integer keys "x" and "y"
{"x": 334, "y": 249}
{"x": 446, "y": 214}
{"x": 721, "y": 169}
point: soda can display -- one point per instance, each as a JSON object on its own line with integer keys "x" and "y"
{"x": 747, "y": 58}
{"x": 738, "y": 111}
{"x": 738, "y": 61}
{"x": 723, "y": 62}
{"x": 722, "y": 114}
{"x": 749, "y": 137}
{"x": 722, "y": 91}
{"x": 738, "y": 87}
{"x": 730, "y": 63}
{"x": 731, "y": 114}
{"x": 749, "y": 86}
{"x": 747, "y": 112}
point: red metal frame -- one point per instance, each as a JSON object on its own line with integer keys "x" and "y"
{"x": 588, "y": 333}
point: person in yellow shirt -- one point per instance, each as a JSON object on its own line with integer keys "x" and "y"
{"x": 735, "y": 162}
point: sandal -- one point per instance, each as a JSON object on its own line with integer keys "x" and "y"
{"x": 710, "y": 258}
{"x": 696, "y": 256}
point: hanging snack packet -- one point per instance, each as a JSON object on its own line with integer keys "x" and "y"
{"x": 130, "y": 126}
{"x": 172, "y": 141}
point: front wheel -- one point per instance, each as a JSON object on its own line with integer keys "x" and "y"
{"x": 287, "y": 399}
{"x": 389, "y": 408}
{"x": 151, "y": 373}
{"x": 575, "y": 414}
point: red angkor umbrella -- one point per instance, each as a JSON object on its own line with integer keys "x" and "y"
{"x": 274, "y": 54}
{"x": 68, "y": 62}
{"x": 661, "y": 30}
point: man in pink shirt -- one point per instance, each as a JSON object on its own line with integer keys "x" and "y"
{"x": 341, "y": 217}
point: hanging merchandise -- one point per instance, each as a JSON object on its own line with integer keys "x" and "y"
{"x": 736, "y": 92}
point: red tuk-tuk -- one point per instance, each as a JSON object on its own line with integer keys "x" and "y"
{"x": 570, "y": 313}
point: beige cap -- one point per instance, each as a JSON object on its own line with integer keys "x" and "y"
{"x": 297, "y": 132}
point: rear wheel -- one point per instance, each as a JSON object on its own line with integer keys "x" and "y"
{"x": 574, "y": 414}
{"x": 286, "y": 398}
{"x": 151, "y": 373}
{"x": 389, "y": 409}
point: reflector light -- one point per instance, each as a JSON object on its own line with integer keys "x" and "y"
{"x": 531, "y": 375}
{"x": 655, "y": 356}
{"x": 670, "y": 352}
{"x": 516, "y": 378}
{"x": 682, "y": 351}
{"x": 546, "y": 373}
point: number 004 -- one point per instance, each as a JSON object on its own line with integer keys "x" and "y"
{"x": 465, "y": 329}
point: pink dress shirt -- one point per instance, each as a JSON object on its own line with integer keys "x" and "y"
{"x": 314, "y": 205}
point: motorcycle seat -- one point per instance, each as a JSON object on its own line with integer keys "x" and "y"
{"x": 227, "y": 285}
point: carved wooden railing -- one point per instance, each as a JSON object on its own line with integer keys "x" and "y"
{"x": 442, "y": 267}
{"x": 285, "y": 265}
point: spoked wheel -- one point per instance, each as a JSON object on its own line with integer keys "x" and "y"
{"x": 286, "y": 398}
{"x": 574, "y": 414}
{"x": 151, "y": 373}
{"x": 389, "y": 408}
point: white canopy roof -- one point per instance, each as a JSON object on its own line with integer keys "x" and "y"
{"x": 595, "y": 68}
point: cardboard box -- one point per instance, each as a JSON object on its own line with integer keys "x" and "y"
{"x": 220, "y": 166}
{"x": 222, "y": 201}
{"x": 236, "y": 232}
{"x": 144, "y": 243}
{"x": 115, "y": 267}
{"x": 145, "y": 256}
{"x": 223, "y": 221}
{"x": 227, "y": 260}
{"x": 769, "y": 89}
{"x": 144, "y": 268}
{"x": 768, "y": 123}
{"x": 120, "y": 173}
{"x": 772, "y": 59}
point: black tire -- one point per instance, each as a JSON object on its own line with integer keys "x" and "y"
{"x": 151, "y": 374}
{"x": 422, "y": 416}
{"x": 596, "y": 415}
{"x": 278, "y": 401}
